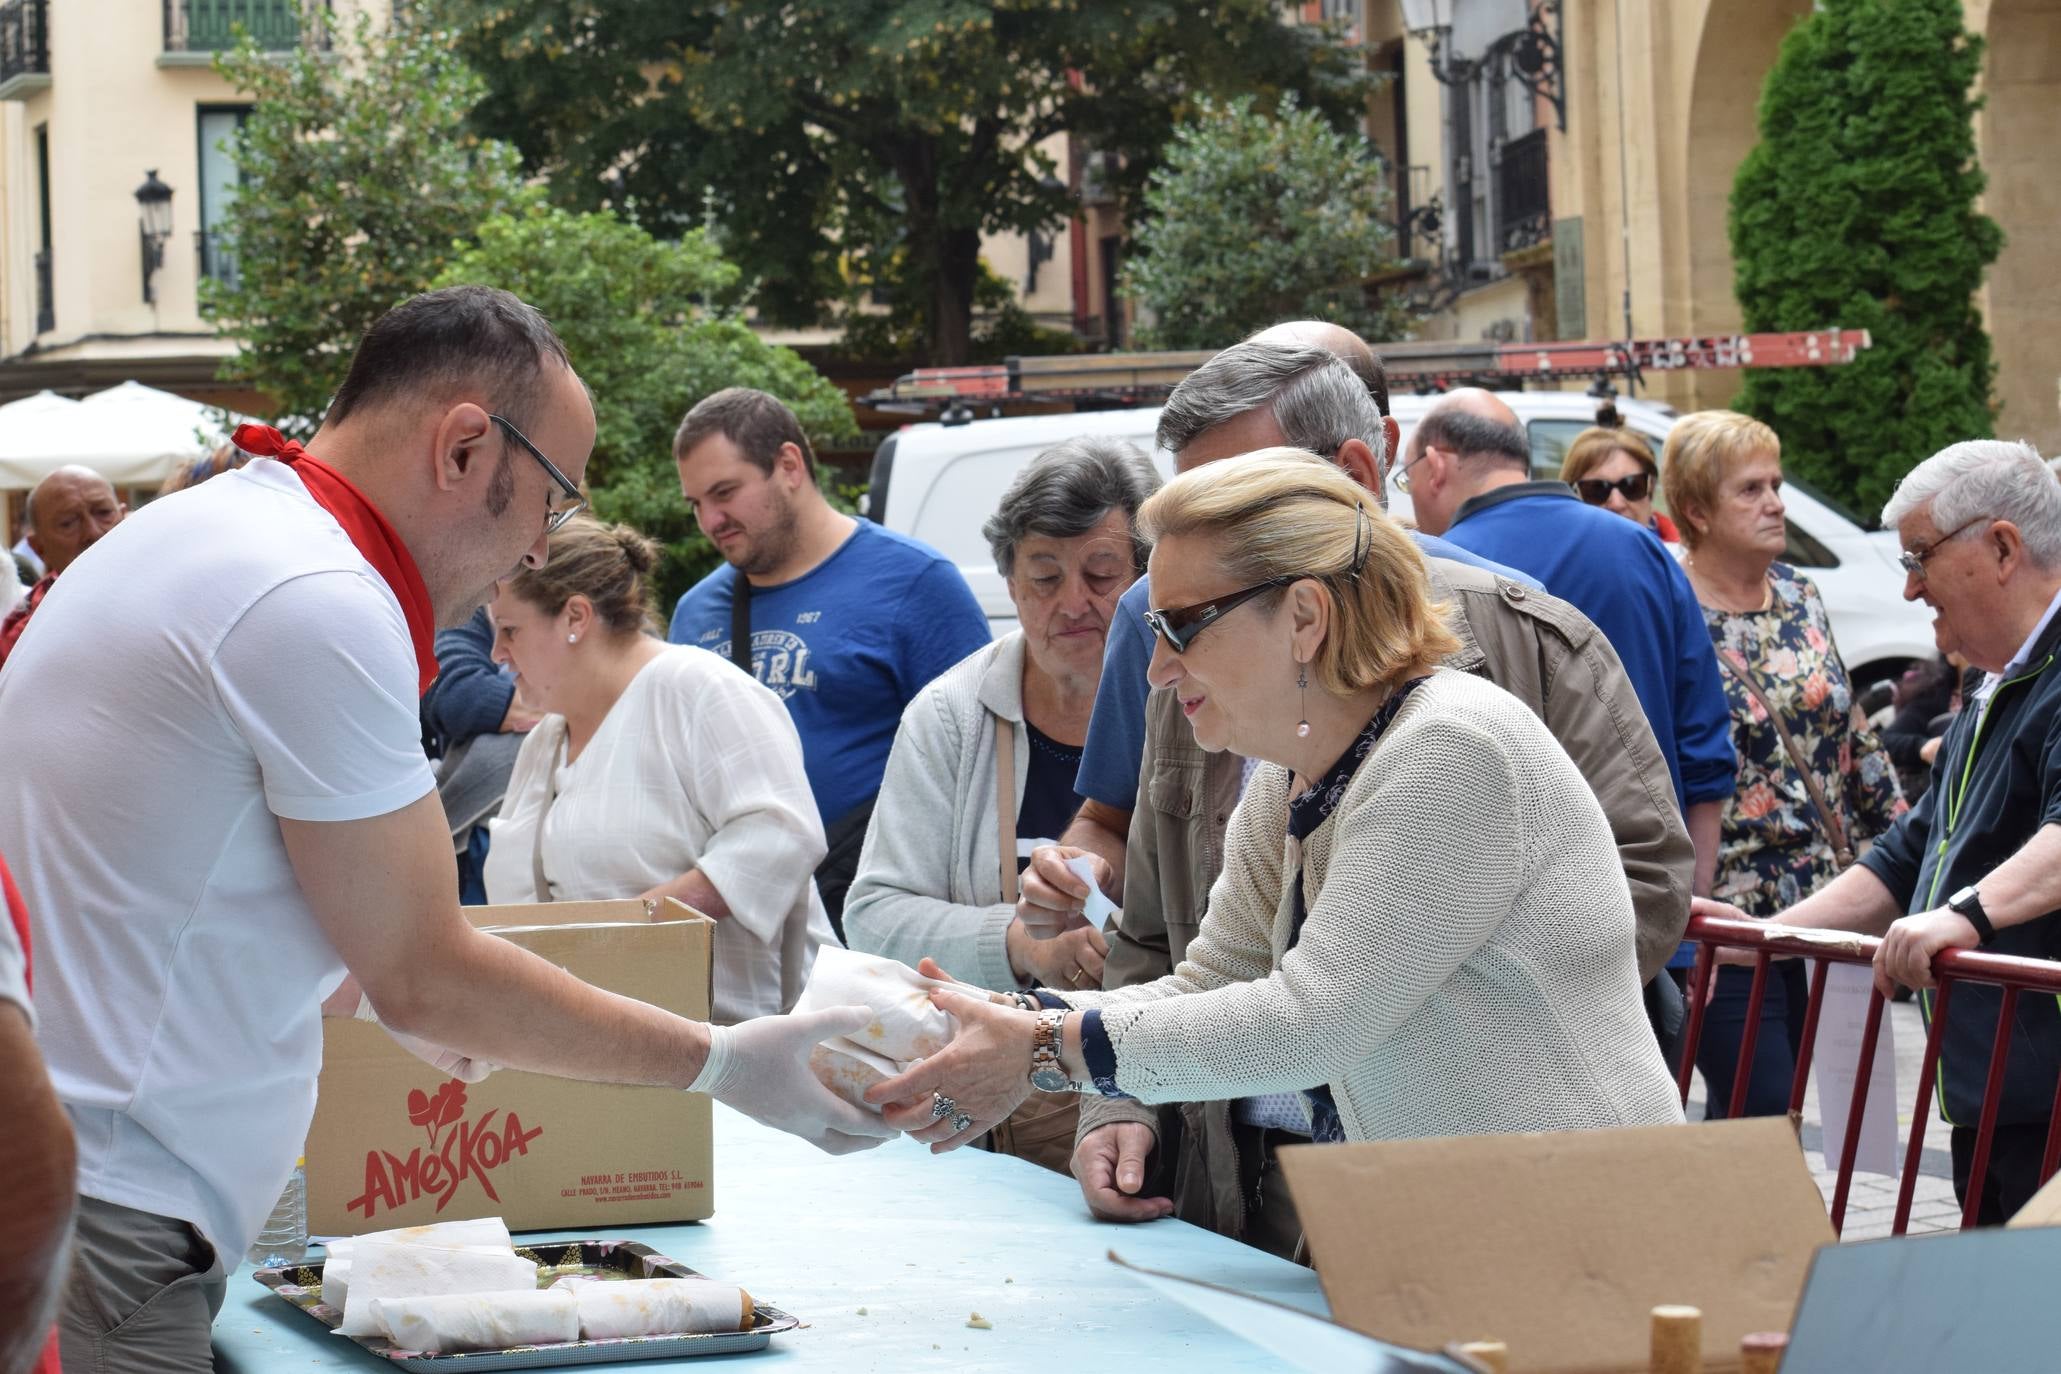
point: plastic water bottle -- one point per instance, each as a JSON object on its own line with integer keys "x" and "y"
{"x": 283, "y": 1242}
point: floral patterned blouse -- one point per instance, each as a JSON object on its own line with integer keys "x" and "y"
{"x": 1774, "y": 851}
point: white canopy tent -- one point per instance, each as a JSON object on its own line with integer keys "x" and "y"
{"x": 133, "y": 435}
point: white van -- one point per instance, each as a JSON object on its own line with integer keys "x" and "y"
{"x": 939, "y": 482}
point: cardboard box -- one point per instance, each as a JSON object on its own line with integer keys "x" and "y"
{"x": 394, "y": 1143}
{"x": 1560, "y": 1245}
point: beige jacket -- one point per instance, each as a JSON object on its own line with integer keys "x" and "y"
{"x": 1536, "y": 647}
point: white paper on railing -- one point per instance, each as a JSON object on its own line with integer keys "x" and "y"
{"x": 1842, "y": 1021}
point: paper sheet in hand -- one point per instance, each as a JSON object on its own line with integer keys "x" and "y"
{"x": 1298, "y": 1338}
{"x": 905, "y": 1026}
{"x": 1841, "y": 1024}
{"x": 1099, "y": 908}
{"x": 384, "y": 1270}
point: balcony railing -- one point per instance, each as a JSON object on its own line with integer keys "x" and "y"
{"x": 1524, "y": 211}
{"x": 217, "y": 258}
{"x": 209, "y": 26}
{"x": 24, "y": 47}
{"x": 46, "y": 306}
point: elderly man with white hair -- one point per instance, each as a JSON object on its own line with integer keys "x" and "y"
{"x": 1978, "y": 861}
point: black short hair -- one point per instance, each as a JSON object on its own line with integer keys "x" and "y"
{"x": 441, "y": 341}
{"x": 1472, "y": 436}
{"x": 754, "y": 421}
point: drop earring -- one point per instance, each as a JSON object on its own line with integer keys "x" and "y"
{"x": 1302, "y": 682}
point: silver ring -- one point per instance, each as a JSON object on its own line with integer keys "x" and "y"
{"x": 961, "y": 1122}
{"x": 941, "y": 1106}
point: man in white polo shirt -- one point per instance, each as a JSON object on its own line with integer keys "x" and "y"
{"x": 217, "y": 804}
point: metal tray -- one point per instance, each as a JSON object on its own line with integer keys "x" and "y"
{"x": 301, "y": 1286}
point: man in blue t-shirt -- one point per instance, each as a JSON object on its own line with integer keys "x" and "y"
{"x": 846, "y": 620}
{"x": 1470, "y": 480}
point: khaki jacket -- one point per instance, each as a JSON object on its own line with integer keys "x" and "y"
{"x": 1536, "y": 647}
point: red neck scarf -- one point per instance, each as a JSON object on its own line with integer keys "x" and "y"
{"x": 368, "y": 529}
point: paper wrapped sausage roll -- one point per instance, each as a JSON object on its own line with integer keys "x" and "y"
{"x": 660, "y": 1307}
{"x": 905, "y": 1026}
{"x": 380, "y": 1269}
{"x": 491, "y": 1232}
{"x": 478, "y": 1321}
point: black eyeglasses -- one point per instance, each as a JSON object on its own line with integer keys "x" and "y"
{"x": 1914, "y": 559}
{"x": 1178, "y": 625}
{"x": 1596, "y": 491}
{"x": 556, "y": 515}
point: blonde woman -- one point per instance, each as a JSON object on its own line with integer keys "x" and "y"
{"x": 1814, "y": 779}
{"x": 1422, "y": 925}
{"x": 1615, "y": 469}
{"x": 658, "y": 771}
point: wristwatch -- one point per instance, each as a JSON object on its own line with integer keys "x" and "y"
{"x": 1968, "y": 902}
{"x": 1047, "y": 1074}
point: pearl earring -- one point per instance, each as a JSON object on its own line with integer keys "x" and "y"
{"x": 1302, "y": 681}
{"x": 572, "y": 639}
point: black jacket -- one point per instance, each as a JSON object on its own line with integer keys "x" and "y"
{"x": 1996, "y": 782}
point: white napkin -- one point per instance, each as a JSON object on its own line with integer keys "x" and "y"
{"x": 336, "y": 1263}
{"x": 383, "y": 1269}
{"x": 905, "y": 1028}
{"x": 1099, "y": 908}
{"x": 478, "y": 1321}
{"x": 660, "y": 1307}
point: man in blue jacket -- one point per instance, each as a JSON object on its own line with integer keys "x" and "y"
{"x": 1978, "y": 861}
{"x": 1468, "y": 474}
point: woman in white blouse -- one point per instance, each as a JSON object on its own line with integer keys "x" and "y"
{"x": 659, "y": 771}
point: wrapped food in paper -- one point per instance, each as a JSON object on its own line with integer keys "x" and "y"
{"x": 904, "y": 1029}
{"x": 661, "y": 1307}
{"x": 383, "y": 1269}
{"x": 491, "y": 1232}
{"x": 454, "y": 1322}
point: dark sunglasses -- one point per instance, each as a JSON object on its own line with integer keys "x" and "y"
{"x": 555, "y": 515}
{"x": 1596, "y": 491}
{"x": 1178, "y": 625}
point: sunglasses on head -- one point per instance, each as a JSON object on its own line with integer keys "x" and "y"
{"x": 1596, "y": 491}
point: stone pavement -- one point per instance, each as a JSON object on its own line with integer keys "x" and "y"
{"x": 1871, "y": 1201}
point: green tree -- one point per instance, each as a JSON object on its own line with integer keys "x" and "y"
{"x": 651, "y": 326}
{"x": 1858, "y": 209}
{"x": 360, "y": 180}
{"x": 1253, "y": 218}
{"x": 867, "y": 139}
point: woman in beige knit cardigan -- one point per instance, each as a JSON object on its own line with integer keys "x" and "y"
{"x": 1421, "y": 926}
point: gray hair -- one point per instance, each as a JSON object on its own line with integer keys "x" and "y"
{"x": 1998, "y": 478}
{"x": 1067, "y": 490}
{"x": 1315, "y": 397}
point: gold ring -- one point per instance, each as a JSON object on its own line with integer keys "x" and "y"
{"x": 1076, "y": 977}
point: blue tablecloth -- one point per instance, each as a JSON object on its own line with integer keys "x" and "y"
{"x": 920, "y": 1243}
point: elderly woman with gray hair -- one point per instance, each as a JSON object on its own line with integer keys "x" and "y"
{"x": 983, "y": 766}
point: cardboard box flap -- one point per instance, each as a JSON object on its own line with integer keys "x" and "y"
{"x": 2042, "y": 1208}
{"x": 627, "y": 909}
{"x": 1561, "y": 1244}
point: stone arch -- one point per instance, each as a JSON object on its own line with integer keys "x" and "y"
{"x": 2022, "y": 86}
{"x": 1736, "y": 48}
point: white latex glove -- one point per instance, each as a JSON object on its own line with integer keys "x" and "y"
{"x": 761, "y": 1068}
{"x": 458, "y": 1066}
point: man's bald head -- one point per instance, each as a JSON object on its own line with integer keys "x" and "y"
{"x": 1340, "y": 342}
{"x": 68, "y": 512}
{"x": 1475, "y": 426}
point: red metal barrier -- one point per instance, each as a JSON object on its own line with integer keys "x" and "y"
{"x": 1767, "y": 941}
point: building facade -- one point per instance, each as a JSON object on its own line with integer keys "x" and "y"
{"x": 1563, "y": 170}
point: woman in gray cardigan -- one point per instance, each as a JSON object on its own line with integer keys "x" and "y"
{"x": 984, "y": 763}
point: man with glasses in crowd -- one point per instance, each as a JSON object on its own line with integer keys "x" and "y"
{"x": 218, "y": 807}
{"x": 1216, "y": 1159}
{"x": 1977, "y": 862}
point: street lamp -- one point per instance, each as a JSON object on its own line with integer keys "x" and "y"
{"x": 154, "y": 199}
{"x": 1533, "y": 52}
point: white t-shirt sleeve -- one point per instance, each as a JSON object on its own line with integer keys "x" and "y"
{"x": 319, "y": 678}
{"x": 14, "y": 965}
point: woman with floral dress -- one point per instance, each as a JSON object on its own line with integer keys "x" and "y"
{"x": 1814, "y": 780}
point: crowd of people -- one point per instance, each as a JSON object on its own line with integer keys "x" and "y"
{"x": 1403, "y": 823}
